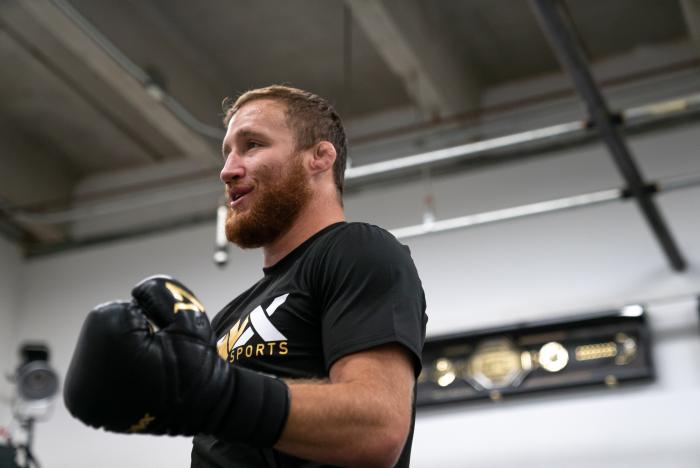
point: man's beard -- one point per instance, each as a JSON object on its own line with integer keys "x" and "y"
{"x": 279, "y": 202}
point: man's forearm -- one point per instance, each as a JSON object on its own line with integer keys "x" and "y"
{"x": 361, "y": 417}
{"x": 346, "y": 424}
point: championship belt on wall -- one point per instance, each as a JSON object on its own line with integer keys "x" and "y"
{"x": 604, "y": 349}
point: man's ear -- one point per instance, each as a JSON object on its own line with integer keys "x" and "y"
{"x": 323, "y": 157}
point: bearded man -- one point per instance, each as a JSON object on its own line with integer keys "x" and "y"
{"x": 316, "y": 363}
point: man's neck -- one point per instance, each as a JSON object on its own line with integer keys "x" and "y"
{"x": 313, "y": 218}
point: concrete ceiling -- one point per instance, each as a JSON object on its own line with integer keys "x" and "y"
{"x": 99, "y": 95}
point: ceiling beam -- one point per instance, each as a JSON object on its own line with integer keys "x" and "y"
{"x": 560, "y": 33}
{"x": 101, "y": 61}
{"x": 691, "y": 13}
{"x": 435, "y": 76}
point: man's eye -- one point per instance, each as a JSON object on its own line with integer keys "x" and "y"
{"x": 253, "y": 144}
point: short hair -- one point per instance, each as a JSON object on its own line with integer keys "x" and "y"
{"x": 311, "y": 118}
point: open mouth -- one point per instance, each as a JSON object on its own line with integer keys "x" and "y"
{"x": 238, "y": 194}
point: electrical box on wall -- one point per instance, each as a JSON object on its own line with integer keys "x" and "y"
{"x": 606, "y": 349}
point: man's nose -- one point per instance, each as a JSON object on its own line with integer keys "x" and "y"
{"x": 233, "y": 169}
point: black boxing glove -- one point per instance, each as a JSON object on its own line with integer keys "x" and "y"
{"x": 151, "y": 366}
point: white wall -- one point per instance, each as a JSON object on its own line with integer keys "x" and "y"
{"x": 532, "y": 268}
{"x": 561, "y": 263}
{"x": 10, "y": 264}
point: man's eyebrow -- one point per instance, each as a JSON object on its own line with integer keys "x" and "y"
{"x": 245, "y": 133}
{"x": 248, "y": 133}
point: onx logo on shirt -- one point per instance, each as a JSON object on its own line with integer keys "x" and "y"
{"x": 235, "y": 344}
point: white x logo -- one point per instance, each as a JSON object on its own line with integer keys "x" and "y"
{"x": 259, "y": 320}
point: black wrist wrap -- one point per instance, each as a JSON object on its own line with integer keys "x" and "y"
{"x": 254, "y": 412}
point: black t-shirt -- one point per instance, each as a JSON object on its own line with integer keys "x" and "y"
{"x": 350, "y": 287}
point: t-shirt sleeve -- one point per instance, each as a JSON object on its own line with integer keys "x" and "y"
{"x": 371, "y": 294}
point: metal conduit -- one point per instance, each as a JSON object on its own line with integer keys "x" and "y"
{"x": 397, "y": 165}
{"x": 549, "y": 206}
{"x": 632, "y": 117}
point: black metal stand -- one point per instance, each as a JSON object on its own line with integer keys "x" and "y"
{"x": 26, "y": 448}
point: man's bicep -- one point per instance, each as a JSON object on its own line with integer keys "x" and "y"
{"x": 388, "y": 369}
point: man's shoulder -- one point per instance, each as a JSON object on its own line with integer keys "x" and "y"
{"x": 360, "y": 242}
{"x": 363, "y": 227}
{"x": 359, "y": 232}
